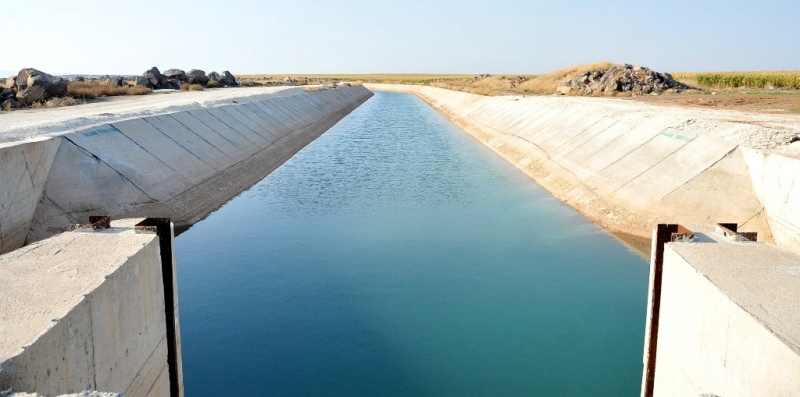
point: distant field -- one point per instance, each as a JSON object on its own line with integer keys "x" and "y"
{"x": 547, "y": 83}
{"x": 769, "y": 92}
{"x": 763, "y": 80}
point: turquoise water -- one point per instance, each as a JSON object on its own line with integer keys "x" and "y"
{"x": 397, "y": 256}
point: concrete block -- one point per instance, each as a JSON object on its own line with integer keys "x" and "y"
{"x": 84, "y": 311}
{"x": 728, "y": 322}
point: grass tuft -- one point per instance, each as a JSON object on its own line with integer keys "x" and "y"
{"x": 96, "y": 90}
{"x": 191, "y": 87}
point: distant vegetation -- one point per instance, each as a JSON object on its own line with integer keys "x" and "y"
{"x": 758, "y": 80}
{"x": 544, "y": 84}
{"x": 86, "y": 90}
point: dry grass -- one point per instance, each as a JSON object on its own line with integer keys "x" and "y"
{"x": 547, "y": 83}
{"x": 95, "y": 90}
{"x": 213, "y": 84}
{"x": 191, "y": 87}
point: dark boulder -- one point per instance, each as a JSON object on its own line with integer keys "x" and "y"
{"x": 155, "y": 76}
{"x": 175, "y": 74}
{"x": 228, "y": 80}
{"x": 196, "y": 76}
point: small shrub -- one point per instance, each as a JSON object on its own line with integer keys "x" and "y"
{"x": 96, "y": 90}
{"x": 60, "y": 102}
{"x": 213, "y": 84}
{"x": 191, "y": 87}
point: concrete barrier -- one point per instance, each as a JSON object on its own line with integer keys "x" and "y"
{"x": 86, "y": 310}
{"x": 629, "y": 166}
{"x": 726, "y": 323}
{"x": 180, "y": 165}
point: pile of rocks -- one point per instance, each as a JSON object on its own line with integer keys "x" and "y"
{"x": 174, "y": 78}
{"x": 626, "y": 79}
{"x": 30, "y": 86}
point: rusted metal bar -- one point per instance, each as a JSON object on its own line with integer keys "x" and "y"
{"x": 731, "y": 232}
{"x": 96, "y": 222}
{"x": 662, "y": 234}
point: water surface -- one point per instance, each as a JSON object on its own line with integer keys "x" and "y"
{"x": 396, "y": 256}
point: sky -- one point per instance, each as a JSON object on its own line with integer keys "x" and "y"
{"x": 361, "y": 36}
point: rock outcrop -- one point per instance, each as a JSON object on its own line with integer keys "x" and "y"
{"x": 625, "y": 79}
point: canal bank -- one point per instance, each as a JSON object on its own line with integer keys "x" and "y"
{"x": 629, "y": 166}
{"x": 179, "y": 164}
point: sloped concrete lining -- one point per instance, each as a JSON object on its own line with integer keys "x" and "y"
{"x": 180, "y": 165}
{"x": 729, "y": 319}
{"x": 629, "y": 166}
{"x": 85, "y": 310}
{"x": 24, "y": 168}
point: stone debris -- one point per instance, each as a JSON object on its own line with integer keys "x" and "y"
{"x": 626, "y": 79}
{"x": 30, "y": 86}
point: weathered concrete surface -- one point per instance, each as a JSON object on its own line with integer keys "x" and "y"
{"x": 729, "y": 322}
{"x": 629, "y": 166}
{"x": 85, "y": 311}
{"x": 180, "y": 165}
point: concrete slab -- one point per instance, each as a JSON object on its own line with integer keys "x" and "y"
{"x": 675, "y": 170}
{"x": 238, "y": 126}
{"x": 191, "y": 141}
{"x": 245, "y": 146}
{"x": 168, "y": 151}
{"x": 270, "y": 125}
{"x": 272, "y": 116}
{"x": 130, "y": 160}
{"x": 240, "y": 114}
{"x": 81, "y": 311}
{"x": 23, "y": 171}
{"x": 220, "y": 142}
{"x": 552, "y": 143}
{"x": 634, "y": 163}
{"x": 80, "y": 185}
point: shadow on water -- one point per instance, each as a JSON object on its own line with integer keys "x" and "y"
{"x": 638, "y": 245}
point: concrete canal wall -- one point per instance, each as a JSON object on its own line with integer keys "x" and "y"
{"x": 727, "y": 322}
{"x": 629, "y": 166}
{"x": 87, "y": 310}
{"x": 180, "y": 165}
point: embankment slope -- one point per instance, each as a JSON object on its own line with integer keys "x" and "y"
{"x": 182, "y": 161}
{"x": 628, "y": 166}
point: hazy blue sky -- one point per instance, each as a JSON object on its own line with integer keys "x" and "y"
{"x": 360, "y": 36}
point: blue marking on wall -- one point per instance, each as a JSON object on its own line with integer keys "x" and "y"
{"x": 101, "y": 131}
{"x": 675, "y": 135}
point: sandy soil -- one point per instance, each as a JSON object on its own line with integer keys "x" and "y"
{"x": 25, "y": 124}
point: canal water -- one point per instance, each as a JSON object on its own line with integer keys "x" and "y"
{"x": 397, "y": 256}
